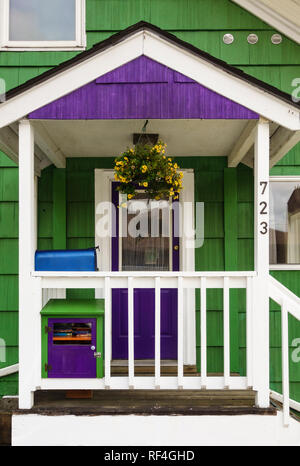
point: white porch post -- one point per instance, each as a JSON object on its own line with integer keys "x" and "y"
{"x": 260, "y": 320}
{"x": 27, "y": 238}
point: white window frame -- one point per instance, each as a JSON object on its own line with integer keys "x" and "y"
{"x": 78, "y": 44}
{"x": 285, "y": 178}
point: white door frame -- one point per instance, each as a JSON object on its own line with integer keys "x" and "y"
{"x": 103, "y": 185}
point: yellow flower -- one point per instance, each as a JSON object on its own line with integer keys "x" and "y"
{"x": 157, "y": 198}
{"x": 175, "y": 165}
{"x": 144, "y": 168}
{"x": 145, "y": 184}
{"x": 130, "y": 196}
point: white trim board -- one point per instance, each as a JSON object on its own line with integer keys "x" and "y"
{"x": 149, "y": 43}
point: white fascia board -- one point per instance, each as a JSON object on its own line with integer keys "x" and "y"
{"x": 221, "y": 81}
{"x": 69, "y": 80}
{"x": 166, "y": 53}
{"x": 271, "y": 17}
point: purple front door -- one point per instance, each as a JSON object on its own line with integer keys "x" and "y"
{"x": 71, "y": 347}
{"x": 138, "y": 254}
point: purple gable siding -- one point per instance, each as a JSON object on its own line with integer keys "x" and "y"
{"x": 142, "y": 89}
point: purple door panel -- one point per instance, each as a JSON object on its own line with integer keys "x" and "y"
{"x": 144, "y": 323}
{"x": 68, "y": 358}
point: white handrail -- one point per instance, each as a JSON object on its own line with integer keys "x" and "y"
{"x": 9, "y": 370}
{"x": 278, "y": 397}
{"x": 280, "y": 293}
{"x": 289, "y": 303}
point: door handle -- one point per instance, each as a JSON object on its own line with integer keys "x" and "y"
{"x": 176, "y": 248}
{"x": 97, "y": 355}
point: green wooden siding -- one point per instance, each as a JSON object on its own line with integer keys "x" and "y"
{"x": 203, "y": 24}
{"x": 9, "y": 269}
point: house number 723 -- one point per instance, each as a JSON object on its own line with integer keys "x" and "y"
{"x": 263, "y": 208}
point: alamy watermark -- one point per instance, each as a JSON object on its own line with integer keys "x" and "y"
{"x": 2, "y": 350}
{"x": 2, "y": 90}
{"x": 296, "y": 352}
{"x": 296, "y": 91}
{"x": 151, "y": 219}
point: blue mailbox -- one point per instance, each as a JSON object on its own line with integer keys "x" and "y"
{"x": 72, "y": 260}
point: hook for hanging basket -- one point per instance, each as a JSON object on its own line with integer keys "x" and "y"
{"x": 144, "y": 138}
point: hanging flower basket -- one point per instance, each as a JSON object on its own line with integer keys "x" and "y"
{"x": 148, "y": 167}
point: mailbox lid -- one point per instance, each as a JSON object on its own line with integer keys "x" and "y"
{"x": 74, "y": 307}
{"x": 71, "y": 260}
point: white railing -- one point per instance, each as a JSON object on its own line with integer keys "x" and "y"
{"x": 9, "y": 370}
{"x": 289, "y": 304}
{"x": 181, "y": 281}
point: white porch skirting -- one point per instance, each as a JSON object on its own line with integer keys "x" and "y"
{"x": 133, "y": 430}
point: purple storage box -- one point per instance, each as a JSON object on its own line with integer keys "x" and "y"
{"x": 72, "y": 260}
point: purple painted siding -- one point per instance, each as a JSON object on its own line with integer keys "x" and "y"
{"x": 142, "y": 89}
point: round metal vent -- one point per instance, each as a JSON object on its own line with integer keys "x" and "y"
{"x": 276, "y": 39}
{"x": 228, "y": 39}
{"x": 252, "y": 39}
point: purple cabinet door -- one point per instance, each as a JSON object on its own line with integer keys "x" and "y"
{"x": 144, "y": 299}
{"x": 71, "y": 347}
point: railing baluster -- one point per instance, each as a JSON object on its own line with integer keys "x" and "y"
{"x": 226, "y": 326}
{"x": 130, "y": 334}
{"x": 157, "y": 333}
{"x": 108, "y": 334}
{"x": 180, "y": 333}
{"x": 249, "y": 330}
{"x": 203, "y": 333}
{"x": 285, "y": 364}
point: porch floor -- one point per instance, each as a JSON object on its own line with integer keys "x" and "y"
{"x": 157, "y": 402}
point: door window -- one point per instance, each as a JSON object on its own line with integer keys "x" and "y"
{"x": 145, "y": 234}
